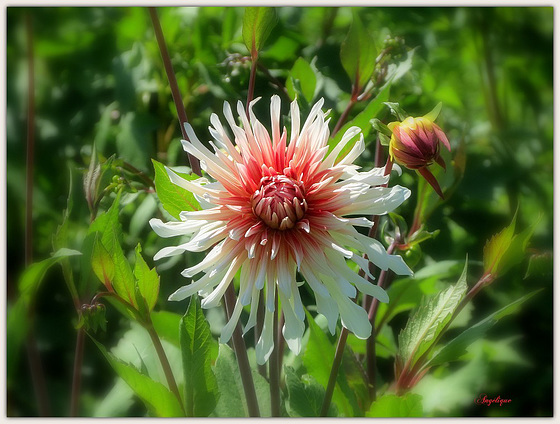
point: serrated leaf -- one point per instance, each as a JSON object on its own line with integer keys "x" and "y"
{"x": 304, "y": 73}
{"x": 174, "y": 199}
{"x": 358, "y": 53}
{"x": 147, "y": 280}
{"x": 425, "y": 326}
{"x": 257, "y": 25}
{"x": 305, "y": 396}
{"x": 157, "y": 398}
{"x": 393, "y": 406}
{"x": 457, "y": 347}
{"x": 232, "y": 401}
{"x": 540, "y": 265}
{"x": 497, "y": 246}
{"x": 102, "y": 264}
{"x": 201, "y": 387}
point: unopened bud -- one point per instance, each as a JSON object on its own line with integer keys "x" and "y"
{"x": 415, "y": 144}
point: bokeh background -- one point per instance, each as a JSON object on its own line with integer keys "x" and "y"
{"x": 99, "y": 80}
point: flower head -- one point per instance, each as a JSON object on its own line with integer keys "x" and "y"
{"x": 279, "y": 205}
{"x": 415, "y": 144}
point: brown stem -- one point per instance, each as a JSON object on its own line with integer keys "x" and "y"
{"x": 274, "y": 365}
{"x": 371, "y": 359}
{"x": 35, "y": 365}
{"x": 344, "y": 116}
{"x": 176, "y": 94}
{"x": 334, "y": 371}
{"x": 273, "y": 79}
{"x": 242, "y": 358}
{"x": 77, "y": 373}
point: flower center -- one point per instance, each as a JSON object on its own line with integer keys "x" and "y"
{"x": 279, "y": 202}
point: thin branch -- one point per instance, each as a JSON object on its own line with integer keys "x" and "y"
{"x": 242, "y": 358}
{"x": 176, "y": 94}
{"x": 334, "y": 371}
{"x": 37, "y": 374}
{"x": 164, "y": 361}
{"x": 274, "y": 365}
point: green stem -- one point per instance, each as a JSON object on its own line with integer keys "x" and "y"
{"x": 344, "y": 116}
{"x": 176, "y": 94}
{"x": 242, "y": 358}
{"x": 334, "y": 371}
{"x": 164, "y": 361}
{"x": 371, "y": 359}
{"x": 274, "y": 365}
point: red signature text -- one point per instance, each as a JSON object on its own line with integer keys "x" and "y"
{"x": 483, "y": 399}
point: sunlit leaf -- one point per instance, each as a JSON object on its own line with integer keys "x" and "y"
{"x": 302, "y": 72}
{"x": 358, "y": 53}
{"x": 201, "y": 388}
{"x": 174, "y": 199}
{"x": 425, "y": 325}
{"x": 257, "y": 25}
{"x": 393, "y": 406}
{"x": 305, "y": 395}
{"x": 157, "y": 398}
{"x": 147, "y": 280}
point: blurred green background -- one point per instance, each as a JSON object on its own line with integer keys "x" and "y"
{"x": 99, "y": 79}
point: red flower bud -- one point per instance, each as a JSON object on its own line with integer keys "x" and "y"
{"x": 415, "y": 145}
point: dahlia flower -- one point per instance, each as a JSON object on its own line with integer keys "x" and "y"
{"x": 415, "y": 144}
{"x": 280, "y": 205}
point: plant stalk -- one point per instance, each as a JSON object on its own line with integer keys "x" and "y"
{"x": 175, "y": 93}
{"x": 242, "y": 358}
{"x": 274, "y": 365}
{"x": 164, "y": 361}
{"x": 334, "y": 371}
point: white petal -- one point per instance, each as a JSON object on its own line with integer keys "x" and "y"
{"x": 228, "y": 329}
{"x": 293, "y": 328}
{"x": 172, "y": 229}
{"x": 265, "y": 345}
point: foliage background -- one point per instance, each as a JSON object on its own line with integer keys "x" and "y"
{"x": 100, "y": 79}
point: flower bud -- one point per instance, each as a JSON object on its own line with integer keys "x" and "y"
{"x": 415, "y": 145}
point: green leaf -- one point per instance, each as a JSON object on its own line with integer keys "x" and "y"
{"x": 304, "y": 73}
{"x": 393, "y": 406}
{"x": 496, "y": 248}
{"x": 362, "y": 120}
{"x": 201, "y": 388}
{"x": 32, "y": 277}
{"x": 397, "y": 110}
{"x": 358, "y": 53}
{"x": 540, "y": 265}
{"x": 257, "y": 25}
{"x": 157, "y": 398}
{"x": 425, "y": 326}
{"x": 174, "y": 199}
{"x": 232, "y": 401}
{"x": 305, "y": 395}
{"x": 167, "y": 325}
{"x": 102, "y": 264}
{"x": 456, "y": 348}
{"x": 147, "y": 280}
